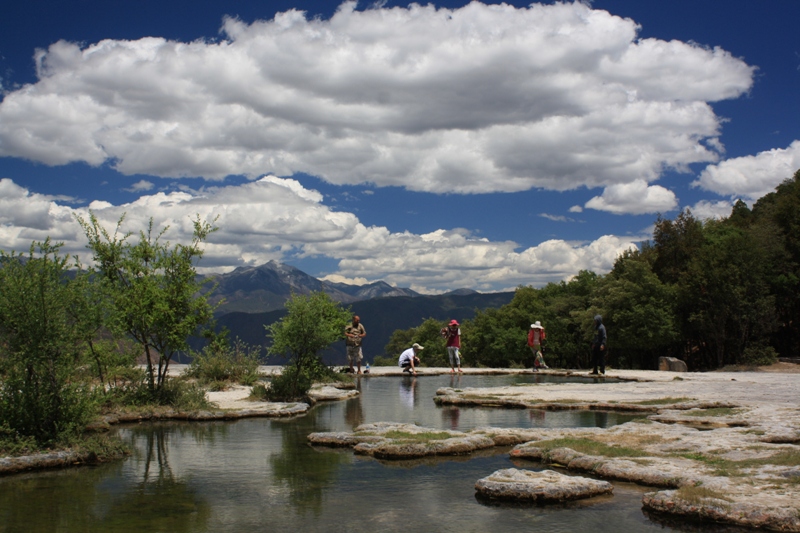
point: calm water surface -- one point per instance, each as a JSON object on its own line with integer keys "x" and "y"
{"x": 261, "y": 475}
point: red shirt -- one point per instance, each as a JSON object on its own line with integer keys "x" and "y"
{"x": 535, "y": 334}
{"x": 453, "y": 337}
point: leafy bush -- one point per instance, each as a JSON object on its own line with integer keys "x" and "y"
{"x": 221, "y": 362}
{"x": 384, "y": 361}
{"x": 759, "y": 355}
{"x": 14, "y": 444}
{"x": 312, "y": 323}
{"x": 291, "y": 384}
{"x": 43, "y": 338}
{"x": 177, "y": 393}
{"x": 259, "y": 392}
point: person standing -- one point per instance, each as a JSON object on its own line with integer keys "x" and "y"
{"x": 538, "y": 362}
{"x": 536, "y": 336}
{"x": 599, "y": 346}
{"x": 452, "y": 335}
{"x": 354, "y": 333}
{"x": 409, "y": 359}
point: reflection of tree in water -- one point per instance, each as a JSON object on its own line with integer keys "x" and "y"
{"x": 176, "y": 506}
{"x": 305, "y": 471}
{"x": 87, "y": 500}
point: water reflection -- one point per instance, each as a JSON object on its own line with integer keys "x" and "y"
{"x": 97, "y": 500}
{"x": 260, "y": 474}
{"x": 408, "y": 392}
{"x": 303, "y": 471}
{"x": 353, "y": 410}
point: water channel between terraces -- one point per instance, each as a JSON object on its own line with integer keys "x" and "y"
{"x": 259, "y": 474}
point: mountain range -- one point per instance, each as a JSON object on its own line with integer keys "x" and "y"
{"x": 266, "y": 288}
{"x": 254, "y": 297}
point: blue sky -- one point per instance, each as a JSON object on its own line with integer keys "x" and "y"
{"x": 434, "y": 146}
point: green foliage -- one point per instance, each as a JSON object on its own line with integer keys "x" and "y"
{"x": 12, "y": 443}
{"x": 259, "y": 392}
{"x": 759, "y": 355}
{"x": 313, "y": 322}
{"x": 221, "y": 361}
{"x": 100, "y": 448}
{"x": 290, "y": 385}
{"x": 179, "y": 394}
{"x": 153, "y": 289}
{"x": 42, "y": 342}
{"x": 426, "y": 335}
{"x": 639, "y": 309}
{"x": 384, "y": 361}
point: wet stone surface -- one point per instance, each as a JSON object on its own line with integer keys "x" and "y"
{"x": 546, "y": 486}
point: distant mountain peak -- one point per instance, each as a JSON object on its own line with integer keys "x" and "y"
{"x": 266, "y": 287}
{"x": 462, "y": 292}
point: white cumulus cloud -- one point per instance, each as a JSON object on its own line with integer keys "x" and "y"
{"x": 277, "y": 218}
{"x": 635, "y": 198}
{"x": 752, "y": 176}
{"x": 477, "y": 99}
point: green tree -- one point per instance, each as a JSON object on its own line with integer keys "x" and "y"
{"x": 677, "y": 242}
{"x": 312, "y": 323}
{"x": 726, "y": 294}
{"x": 427, "y": 335}
{"x": 153, "y": 287}
{"x": 778, "y": 224}
{"x": 638, "y": 309}
{"x": 43, "y": 336}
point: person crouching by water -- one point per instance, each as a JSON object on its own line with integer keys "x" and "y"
{"x": 409, "y": 359}
{"x": 536, "y": 337}
{"x": 452, "y": 334}
{"x": 354, "y": 333}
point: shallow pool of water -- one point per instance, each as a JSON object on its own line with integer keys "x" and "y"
{"x": 261, "y": 475}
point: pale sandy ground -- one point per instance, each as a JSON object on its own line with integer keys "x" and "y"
{"x": 778, "y": 385}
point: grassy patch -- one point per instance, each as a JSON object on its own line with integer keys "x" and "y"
{"x": 782, "y": 458}
{"x": 730, "y": 468}
{"x": 482, "y": 397}
{"x": 590, "y": 447}
{"x": 720, "y": 466}
{"x": 425, "y": 436}
{"x": 633, "y": 440}
{"x": 259, "y": 393}
{"x": 697, "y": 494}
{"x": 758, "y": 432}
{"x": 663, "y": 401}
{"x": 715, "y": 411}
{"x": 100, "y": 448}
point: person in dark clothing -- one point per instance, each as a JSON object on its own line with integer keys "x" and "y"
{"x": 599, "y": 346}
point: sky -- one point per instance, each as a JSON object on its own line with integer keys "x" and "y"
{"x": 432, "y": 146}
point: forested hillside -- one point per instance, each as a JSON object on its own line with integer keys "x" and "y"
{"x": 380, "y": 316}
{"x": 713, "y": 293}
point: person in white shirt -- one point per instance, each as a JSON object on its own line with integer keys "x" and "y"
{"x": 409, "y": 359}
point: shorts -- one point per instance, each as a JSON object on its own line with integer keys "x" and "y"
{"x": 354, "y": 354}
